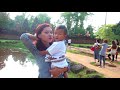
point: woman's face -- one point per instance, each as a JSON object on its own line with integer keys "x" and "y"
{"x": 46, "y": 35}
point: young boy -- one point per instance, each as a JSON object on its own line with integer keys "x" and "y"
{"x": 56, "y": 52}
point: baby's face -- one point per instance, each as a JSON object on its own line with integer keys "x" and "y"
{"x": 59, "y": 35}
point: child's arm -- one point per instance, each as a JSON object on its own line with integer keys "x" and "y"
{"x": 44, "y": 52}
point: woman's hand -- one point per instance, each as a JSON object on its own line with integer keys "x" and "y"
{"x": 57, "y": 71}
{"x": 32, "y": 37}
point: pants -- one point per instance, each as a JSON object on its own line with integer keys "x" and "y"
{"x": 102, "y": 58}
{"x": 110, "y": 57}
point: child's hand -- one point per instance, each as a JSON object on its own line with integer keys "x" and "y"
{"x": 51, "y": 58}
{"x": 42, "y": 53}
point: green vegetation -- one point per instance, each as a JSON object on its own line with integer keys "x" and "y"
{"x": 116, "y": 62}
{"x": 83, "y": 74}
{"x": 82, "y": 45}
{"x": 74, "y": 22}
{"x": 16, "y": 44}
{"x": 78, "y": 52}
{"x": 109, "y": 32}
{"x": 93, "y": 63}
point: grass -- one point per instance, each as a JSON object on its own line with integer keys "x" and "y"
{"x": 82, "y": 74}
{"x": 82, "y": 45}
{"x": 93, "y": 63}
{"x": 16, "y": 44}
{"x": 78, "y": 52}
{"x": 116, "y": 62}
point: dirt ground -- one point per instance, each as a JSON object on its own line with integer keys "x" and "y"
{"x": 111, "y": 70}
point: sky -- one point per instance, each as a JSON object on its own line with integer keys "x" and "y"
{"x": 95, "y": 20}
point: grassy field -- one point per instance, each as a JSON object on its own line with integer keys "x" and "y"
{"x": 9, "y": 37}
{"x": 82, "y": 45}
{"x": 15, "y": 44}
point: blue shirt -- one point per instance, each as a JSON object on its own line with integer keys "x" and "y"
{"x": 103, "y": 49}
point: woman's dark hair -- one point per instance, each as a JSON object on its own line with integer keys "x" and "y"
{"x": 39, "y": 45}
{"x": 114, "y": 46}
{"x": 117, "y": 41}
{"x": 62, "y": 27}
{"x": 98, "y": 40}
{"x": 105, "y": 41}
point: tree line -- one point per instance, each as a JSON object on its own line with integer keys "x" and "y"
{"x": 74, "y": 22}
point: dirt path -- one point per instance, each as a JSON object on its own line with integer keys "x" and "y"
{"x": 108, "y": 71}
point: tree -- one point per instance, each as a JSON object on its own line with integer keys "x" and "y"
{"x": 74, "y": 21}
{"x": 39, "y": 19}
{"x": 19, "y": 19}
{"x": 90, "y": 30}
{"x": 67, "y": 16}
{"x": 116, "y": 30}
{"x": 25, "y": 26}
{"x": 4, "y": 19}
{"x": 105, "y": 32}
{"x": 43, "y": 18}
{"x": 35, "y": 23}
{"x": 30, "y": 21}
{"x": 11, "y": 25}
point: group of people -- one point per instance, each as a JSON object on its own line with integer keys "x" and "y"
{"x": 101, "y": 49}
{"x": 48, "y": 47}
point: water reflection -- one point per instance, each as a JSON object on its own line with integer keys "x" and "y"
{"x": 14, "y": 64}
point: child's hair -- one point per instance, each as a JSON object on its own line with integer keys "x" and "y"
{"x": 39, "y": 45}
{"x": 62, "y": 27}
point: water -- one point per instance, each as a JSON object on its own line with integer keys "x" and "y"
{"x": 15, "y": 64}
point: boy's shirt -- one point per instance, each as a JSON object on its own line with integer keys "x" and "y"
{"x": 57, "y": 50}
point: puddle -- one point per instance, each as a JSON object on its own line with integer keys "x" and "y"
{"x": 15, "y": 64}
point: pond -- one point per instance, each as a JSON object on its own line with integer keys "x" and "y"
{"x": 15, "y": 64}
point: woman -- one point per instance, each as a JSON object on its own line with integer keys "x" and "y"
{"x": 113, "y": 51}
{"x": 117, "y": 43}
{"x": 102, "y": 53}
{"x": 42, "y": 40}
{"x": 96, "y": 50}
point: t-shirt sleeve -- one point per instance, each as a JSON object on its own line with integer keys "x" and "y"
{"x": 54, "y": 48}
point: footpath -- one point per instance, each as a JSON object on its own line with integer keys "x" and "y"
{"x": 111, "y": 70}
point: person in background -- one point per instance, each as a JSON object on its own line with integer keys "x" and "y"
{"x": 102, "y": 52}
{"x": 113, "y": 50}
{"x": 97, "y": 49}
{"x": 117, "y": 43}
